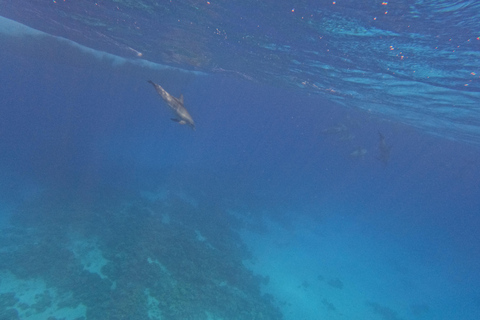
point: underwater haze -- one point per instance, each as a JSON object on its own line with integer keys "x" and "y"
{"x": 333, "y": 171}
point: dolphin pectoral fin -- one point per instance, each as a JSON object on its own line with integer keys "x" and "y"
{"x": 179, "y": 121}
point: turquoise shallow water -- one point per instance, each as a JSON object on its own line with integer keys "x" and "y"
{"x": 325, "y": 179}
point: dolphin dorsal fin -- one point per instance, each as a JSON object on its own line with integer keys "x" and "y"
{"x": 181, "y": 98}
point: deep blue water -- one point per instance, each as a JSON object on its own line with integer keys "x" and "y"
{"x": 262, "y": 212}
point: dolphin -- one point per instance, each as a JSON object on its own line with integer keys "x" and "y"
{"x": 384, "y": 155}
{"x": 359, "y": 153}
{"x": 340, "y": 128}
{"x": 176, "y": 104}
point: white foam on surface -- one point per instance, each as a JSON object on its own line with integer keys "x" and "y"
{"x": 10, "y": 28}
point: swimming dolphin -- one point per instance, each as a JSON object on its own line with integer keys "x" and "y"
{"x": 176, "y": 104}
{"x": 359, "y": 153}
{"x": 384, "y": 149}
{"x": 340, "y": 128}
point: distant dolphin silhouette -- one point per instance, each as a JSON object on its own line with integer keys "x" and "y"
{"x": 384, "y": 155}
{"x": 176, "y": 104}
{"x": 359, "y": 153}
{"x": 340, "y": 128}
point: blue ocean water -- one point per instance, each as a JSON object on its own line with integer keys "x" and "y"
{"x": 333, "y": 173}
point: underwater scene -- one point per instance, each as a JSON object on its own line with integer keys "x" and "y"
{"x": 239, "y": 160}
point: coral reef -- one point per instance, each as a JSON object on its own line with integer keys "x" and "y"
{"x": 152, "y": 268}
